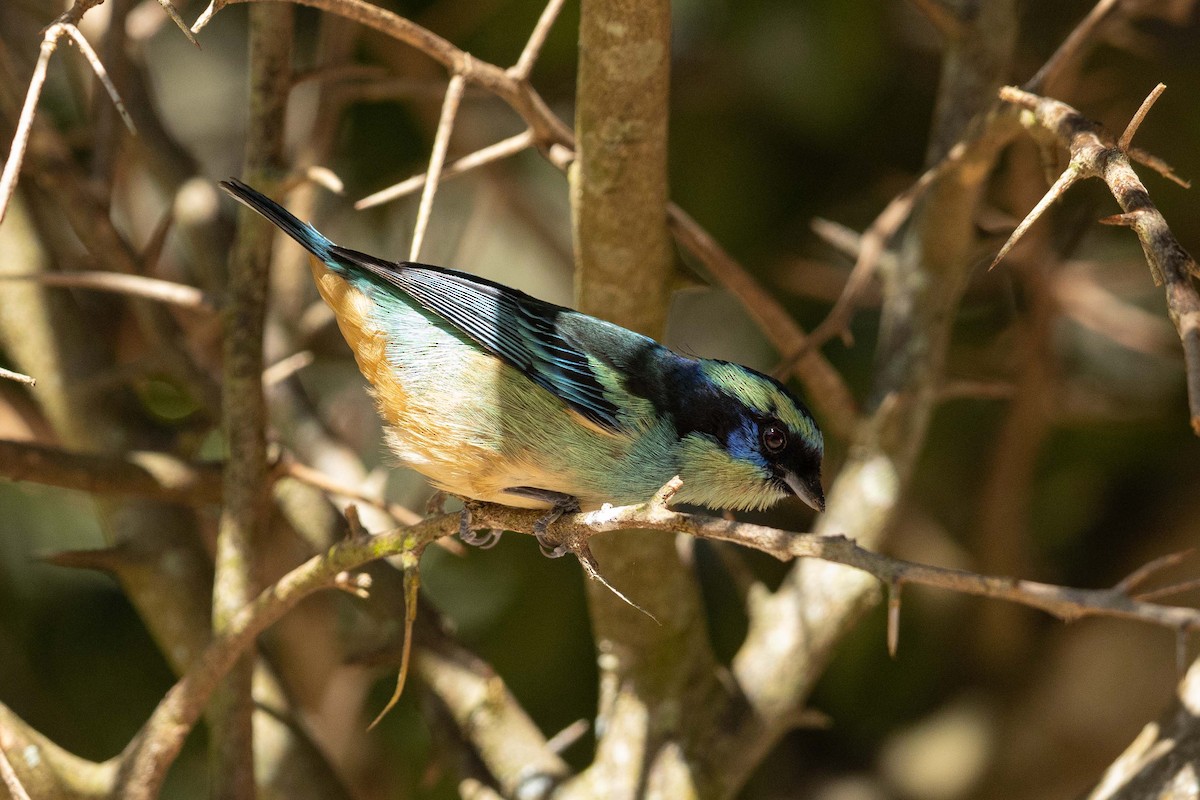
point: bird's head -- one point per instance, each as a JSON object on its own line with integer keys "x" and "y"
{"x": 749, "y": 443}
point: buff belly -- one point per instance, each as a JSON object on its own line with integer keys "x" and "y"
{"x": 473, "y": 425}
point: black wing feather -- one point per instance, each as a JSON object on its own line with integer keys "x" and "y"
{"x": 521, "y": 330}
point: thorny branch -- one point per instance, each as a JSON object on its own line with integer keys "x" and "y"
{"x": 1095, "y": 154}
{"x": 64, "y": 27}
{"x": 888, "y": 223}
{"x": 145, "y": 761}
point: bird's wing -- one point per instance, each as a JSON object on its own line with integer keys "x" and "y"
{"x": 516, "y": 328}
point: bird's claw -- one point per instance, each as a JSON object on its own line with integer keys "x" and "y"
{"x": 550, "y": 549}
{"x": 484, "y": 541}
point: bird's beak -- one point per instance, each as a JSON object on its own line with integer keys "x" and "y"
{"x": 809, "y": 491}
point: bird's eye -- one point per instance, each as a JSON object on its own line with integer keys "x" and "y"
{"x": 774, "y": 439}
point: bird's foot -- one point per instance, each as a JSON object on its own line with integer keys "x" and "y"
{"x": 484, "y": 540}
{"x": 560, "y": 504}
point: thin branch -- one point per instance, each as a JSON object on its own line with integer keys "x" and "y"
{"x": 826, "y": 389}
{"x": 1143, "y": 573}
{"x": 1070, "y": 48}
{"x": 286, "y": 367}
{"x": 894, "y": 588}
{"x": 320, "y": 480}
{"x": 520, "y": 71}
{"x": 948, "y": 23}
{"x": 146, "y": 759}
{"x": 871, "y": 248}
{"x": 481, "y": 157}
{"x": 19, "y": 377}
{"x": 162, "y": 291}
{"x": 16, "y": 153}
{"x": 101, "y": 73}
{"x": 441, "y": 141}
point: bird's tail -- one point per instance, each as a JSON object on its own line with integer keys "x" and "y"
{"x": 302, "y": 232}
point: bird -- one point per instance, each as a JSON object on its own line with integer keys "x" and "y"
{"x": 496, "y": 396}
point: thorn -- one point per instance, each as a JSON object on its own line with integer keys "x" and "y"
{"x": 1140, "y": 115}
{"x": 1140, "y": 575}
{"x": 588, "y": 561}
{"x": 1069, "y": 176}
{"x": 412, "y": 586}
{"x": 1158, "y": 165}
{"x": 1126, "y": 220}
{"x": 567, "y": 736}
{"x": 893, "y": 617}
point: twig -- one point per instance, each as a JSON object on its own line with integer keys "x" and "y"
{"x": 1083, "y": 299}
{"x": 894, "y": 588}
{"x": 1071, "y": 46}
{"x": 871, "y": 247}
{"x": 12, "y": 781}
{"x": 16, "y": 153}
{"x": 1158, "y": 165}
{"x": 1143, "y": 573}
{"x": 286, "y": 367}
{"x": 568, "y": 736}
{"x": 162, "y": 291}
{"x": 946, "y": 21}
{"x": 441, "y": 141}
{"x": 533, "y": 48}
{"x": 19, "y": 377}
{"x": 101, "y": 73}
{"x": 1167, "y": 591}
{"x": 481, "y": 157}
{"x": 1094, "y": 154}
{"x": 958, "y": 389}
{"x": 320, "y": 480}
